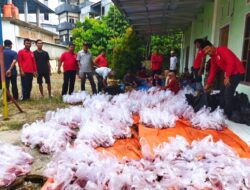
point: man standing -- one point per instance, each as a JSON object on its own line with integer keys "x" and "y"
{"x": 68, "y": 59}
{"x": 198, "y": 66}
{"x": 224, "y": 59}
{"x": 85, "y": 62}
{"x": 43, "y": 67}
{"x": 102, "y": 74}
{"x": 173, "y": 62}
{"x": 27, "y": 66}
{"x": 156, "y": 64}
{"x": 101, "y": 60}
{"x": 10, "y": 59}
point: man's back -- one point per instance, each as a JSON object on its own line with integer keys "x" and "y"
{"x": 9, "y": 56}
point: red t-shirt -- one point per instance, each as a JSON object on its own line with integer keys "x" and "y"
{"x": 101, "y": 61}
{"x": 173, "y": 85}
{"x": 69, "y": 61}
{"x": 156, "y": 61}
{"x": 26, "y": 61}
{"x": 224, "y": 59}
{"x": 198, "y": 59}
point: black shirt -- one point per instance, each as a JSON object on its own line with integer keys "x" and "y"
{"x": 42, "y": 58}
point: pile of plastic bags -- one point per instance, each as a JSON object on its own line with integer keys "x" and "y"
{"x": 103, "y": 118}
{"x": 176, "y": 165}
{"x": 13, "y": 162}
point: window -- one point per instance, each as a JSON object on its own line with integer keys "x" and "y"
{"x": 103, "y": 11}
{"x": 46, "y": 16}
{"x": 71, "y": 20}
{"x": 246, "y": 49}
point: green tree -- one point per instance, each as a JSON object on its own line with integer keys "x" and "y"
{"x": 127, "y": 53}
{"x": 116, "y": 23}
{"x": 94, "y": 32}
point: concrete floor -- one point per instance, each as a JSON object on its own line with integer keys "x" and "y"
{"x": 243, "y": 131}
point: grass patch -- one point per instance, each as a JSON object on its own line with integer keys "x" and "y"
{"x": 36, "y": 108}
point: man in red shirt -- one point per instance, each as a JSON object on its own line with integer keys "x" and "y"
{"x": 198, "y": 65}
{"x": 156, "y": 64}
{"x": 27, "y": 68}
{"x": 68, "y": 59}
{"x": 224, "y": 59}
{"x": 101, "y": 60}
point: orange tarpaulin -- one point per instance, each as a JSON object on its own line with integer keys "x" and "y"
{"x": 154, "y": 137}
{"x": 131, "y": 147}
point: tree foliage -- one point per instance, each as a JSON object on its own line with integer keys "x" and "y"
{"x": 125, "y": 50}
{"x": 92, "y": 31}
{"x": 166, "y": 43}
{"x": 116, "y": 23}
{"x": 127, "y": 53}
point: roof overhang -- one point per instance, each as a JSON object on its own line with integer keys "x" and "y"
{"x": 32, "y": 6}
{"x": 159, "y": 16}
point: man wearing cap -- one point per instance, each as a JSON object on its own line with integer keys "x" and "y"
{"x": 224, "y": 59}
{"x": 10, "y": 59}
{"x": 85, "y": 62}
{"x": 68, "y": 59}
{"x": 173, "y": 62}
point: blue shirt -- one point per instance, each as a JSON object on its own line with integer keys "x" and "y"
{"x": 9, "y": 56}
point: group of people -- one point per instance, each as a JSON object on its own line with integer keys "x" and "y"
{"x": 221, "y": 59}
{"x": 83, "y": 65}
{"x": 31, "y": 64}
{"x": 37, "y": 64}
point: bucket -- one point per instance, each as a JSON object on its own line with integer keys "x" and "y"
{"x": 7, "y": 10}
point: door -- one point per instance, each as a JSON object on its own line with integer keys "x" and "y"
{"x": 224, "y": 33}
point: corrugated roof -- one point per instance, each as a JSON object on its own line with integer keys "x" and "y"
{"x": 32, "y": 6}
{"x": 159, "y": 16}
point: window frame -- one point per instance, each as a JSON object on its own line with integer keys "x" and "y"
{"x": 246, "y": 61}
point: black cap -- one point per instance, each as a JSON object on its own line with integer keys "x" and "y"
{"x": 205, "y": 44}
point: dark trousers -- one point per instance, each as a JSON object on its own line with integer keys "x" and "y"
{"x": 91, "y": 80}
{"x": 26, "y": 82}
{"x": 99, "y": 82}
{"x": 13, "y": 81}
{"x": 69, "y": 78}
{"x": 156, "y": 81}
{"x": 228, "y": 94}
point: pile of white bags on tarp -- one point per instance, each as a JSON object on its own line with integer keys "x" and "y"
{"x": 103, "y": 118}
{"x": 202, "y": 165}
{"x": 13, "y": 162}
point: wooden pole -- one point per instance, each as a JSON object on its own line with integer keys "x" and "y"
{"x": 4, "y": 90}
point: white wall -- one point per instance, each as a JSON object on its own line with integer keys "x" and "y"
{"x": 11, "y": 32}
{"x": 53, "y": 18}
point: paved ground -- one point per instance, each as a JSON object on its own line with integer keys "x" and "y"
{"x": 243, "y": 131}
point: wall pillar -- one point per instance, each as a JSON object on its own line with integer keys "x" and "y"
{"x": 214, "y": 32}
{"x": 38, "y": 16}
{"x": 25, "y": 5}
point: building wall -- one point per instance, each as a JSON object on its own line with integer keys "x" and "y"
{"x": 200, "y": 28}
{"x": 53, "y": 18}
{"x": 17, "y": 33}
